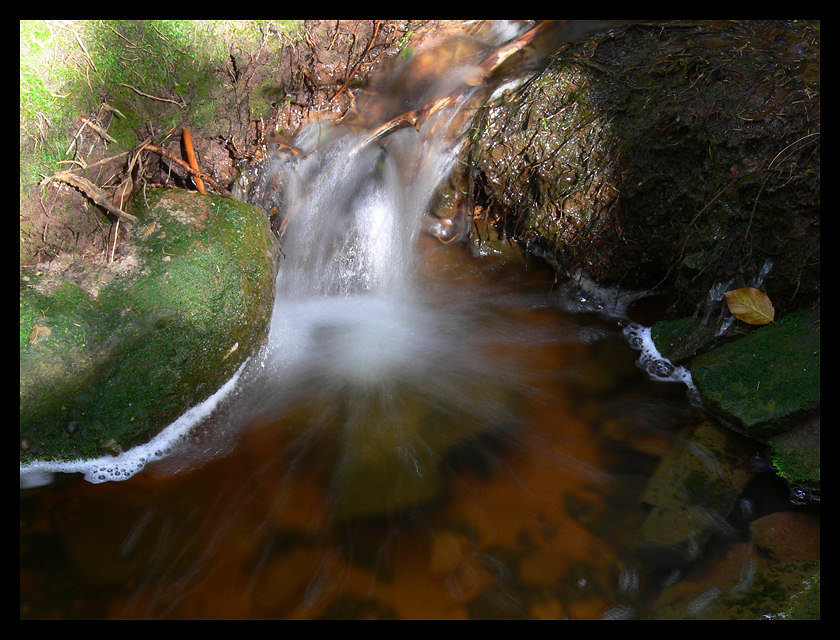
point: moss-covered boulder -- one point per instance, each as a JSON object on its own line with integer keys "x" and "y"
{"x": 110, "y": 356}
{"x": 760, "y": 381}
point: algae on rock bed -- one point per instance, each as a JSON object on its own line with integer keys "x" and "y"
{"x": 122, "y": 357}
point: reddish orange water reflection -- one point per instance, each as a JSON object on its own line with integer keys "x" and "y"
{"x": 537, "y": 530}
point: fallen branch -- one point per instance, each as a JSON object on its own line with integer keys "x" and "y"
{"x": 416, "y": 117}
{"x": 93, "y": 192}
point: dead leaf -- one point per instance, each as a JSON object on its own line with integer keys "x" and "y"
{"x": 39, "y": 334}
{"x": 750, "y": 305}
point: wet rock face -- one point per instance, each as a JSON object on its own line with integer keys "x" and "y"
{"x": 109, "y": 357}
{"x": 545, "y": 156}
{"x": 676, "y": 154}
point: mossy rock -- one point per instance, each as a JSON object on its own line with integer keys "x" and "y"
{"x": 114, "y": 355}
{"x": 796, "y": 458}
{"x": 680, "y": 339}
{"x": 761, "y": 381}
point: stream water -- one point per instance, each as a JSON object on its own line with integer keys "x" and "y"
{"x": 504, "y": 437}
{"x": 429, "y": 432}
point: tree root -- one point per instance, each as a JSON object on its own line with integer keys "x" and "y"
{"x": 93, "y": 192}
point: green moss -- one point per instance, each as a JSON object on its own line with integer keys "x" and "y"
{"x": 677, "y": 339}
{"x": 157, "y": 339}
{"x": 68, "y": 67}
{"x": 781, "y": 592}
{"x": 766, "y": 376}
{"x": 796, "y": 456}
{"x": 794, "y": 469}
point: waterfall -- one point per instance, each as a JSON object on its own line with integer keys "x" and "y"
{"x": 390, "y": 376}
{"x": 361, "y": 359}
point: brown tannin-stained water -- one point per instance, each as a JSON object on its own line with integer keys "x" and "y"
{"x": 531, "y": 518}
{"x": 428, "y": 433}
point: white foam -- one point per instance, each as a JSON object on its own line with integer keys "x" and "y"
{"x": 651, "y": 361}
{"x": 128, "y": 463}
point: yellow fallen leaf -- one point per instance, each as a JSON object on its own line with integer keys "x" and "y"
{"x": 750, "y": 305}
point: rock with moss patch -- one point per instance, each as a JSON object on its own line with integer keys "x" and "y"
{"x": 739, "y": 585}
{"x": 110, "y": 357}
{"x": 681, "y": 339}
{"x": 796, "y": 458}
{"x": 761, "y": 381}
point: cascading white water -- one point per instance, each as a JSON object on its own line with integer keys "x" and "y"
{"x": 352, "y": 335}
{"x": 353, "y": 330}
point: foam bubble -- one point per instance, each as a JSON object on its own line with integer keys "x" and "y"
{"x": 651, "y": 361}
{"x": 128, "y": 463}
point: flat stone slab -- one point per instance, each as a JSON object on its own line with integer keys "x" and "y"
{"x": 760, "y": 380}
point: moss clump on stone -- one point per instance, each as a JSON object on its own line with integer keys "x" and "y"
{"x": 156, "y": 339}
{"x": 761, "y": 379}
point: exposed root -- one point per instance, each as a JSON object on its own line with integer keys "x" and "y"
{"x": 93, "y": 192}
{"x": 188, "y": 148}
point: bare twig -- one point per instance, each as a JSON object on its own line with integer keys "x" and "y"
{"x": 361, "y": 59}
{"x": 146, "y": 95}
{"x": 75, "y": 139}
{"x": 93, "y": 192}
{"x": 108, "y": 107}
{"x": 101, "y": 131}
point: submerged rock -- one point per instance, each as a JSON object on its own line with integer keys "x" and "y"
{"x": 396, "y": 443}
{"x": 742, "y": 585}
{"x": 109, "y": 357}
{"x": 774, "y": 576}
{"x": 788, "y": 536}
{"x": 692, "y": 492}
